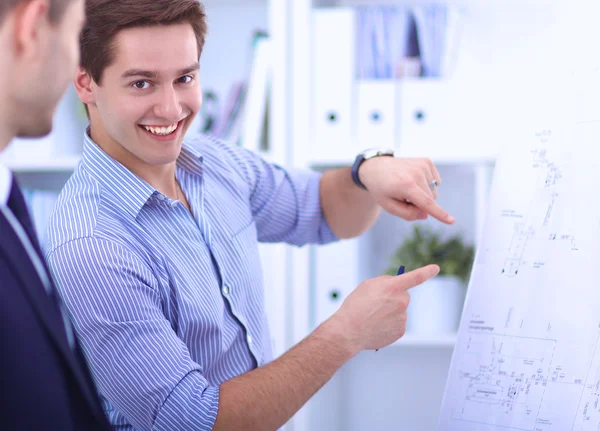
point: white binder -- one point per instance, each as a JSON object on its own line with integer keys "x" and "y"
{"x": 376, "y": 113}
{"x": 334, "y": 74}
{"x": 336, "y": 275}
{"x": 452, "y": 121}
{"x": 423, "y": 109}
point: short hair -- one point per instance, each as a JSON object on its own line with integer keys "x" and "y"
{"x": 57, "y": 9}
{"x": 105, "y": 18}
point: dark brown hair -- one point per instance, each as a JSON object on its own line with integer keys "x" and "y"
{"x": 105, "y": 18}
{"x": 57, "y": 9}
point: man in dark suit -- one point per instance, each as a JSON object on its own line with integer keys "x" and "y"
{"x": 44, "y": 380}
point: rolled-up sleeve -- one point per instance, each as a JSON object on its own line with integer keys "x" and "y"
{"x": 286, "y": 204}
{"x": 139, "y": 363}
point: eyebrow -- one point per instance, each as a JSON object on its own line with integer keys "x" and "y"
{"x": 139, "y": 73}
{"x": 194, "y": 67}
{"x": 150, "y": 74}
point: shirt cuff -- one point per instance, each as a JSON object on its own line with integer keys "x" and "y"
{"x": 191, "y": 406}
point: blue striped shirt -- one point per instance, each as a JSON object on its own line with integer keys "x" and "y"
{"x": 169, "y": 303}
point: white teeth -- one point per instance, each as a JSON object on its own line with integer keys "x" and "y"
{"x": 161, "y": 130}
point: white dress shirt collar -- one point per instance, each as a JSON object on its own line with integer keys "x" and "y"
{"x": 5, "y": 184}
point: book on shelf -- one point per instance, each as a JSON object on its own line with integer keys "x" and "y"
{"x": 253, "y": 130}
{"x": 406, "y": 41}
{"x": 244, "y": 117}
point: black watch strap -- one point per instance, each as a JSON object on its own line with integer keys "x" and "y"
{"x": 354, "y": 171}
{"x": 366, "y": 155}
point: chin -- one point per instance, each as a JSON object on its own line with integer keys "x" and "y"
{"x": 165, "y": 157}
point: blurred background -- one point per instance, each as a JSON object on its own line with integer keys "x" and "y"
{"x": 309, "y": 84}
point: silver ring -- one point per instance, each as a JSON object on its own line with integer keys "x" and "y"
{"x": 433, "y": 184}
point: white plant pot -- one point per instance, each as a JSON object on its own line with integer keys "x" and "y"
{"x": 435, "y": 306}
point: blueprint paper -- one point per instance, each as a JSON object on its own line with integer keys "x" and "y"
{"x": 528, "y": 350}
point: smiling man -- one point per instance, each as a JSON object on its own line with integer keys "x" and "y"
{"x": 154, "y": 239}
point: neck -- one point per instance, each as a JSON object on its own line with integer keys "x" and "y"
{"x": 7, "y": 132}
{"x": 161, "y": 177}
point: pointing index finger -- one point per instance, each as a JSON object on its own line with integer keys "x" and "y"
{"x": 427, "y": 204}
{"x": 417, "y": 277}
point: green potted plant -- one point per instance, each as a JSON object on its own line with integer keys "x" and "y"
{"x": 436, "y": 305}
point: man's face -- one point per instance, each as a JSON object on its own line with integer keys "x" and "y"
{"x": 149, "y": 96}
{"x": 44, "y": 77}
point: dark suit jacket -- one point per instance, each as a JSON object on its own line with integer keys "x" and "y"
{"x": 44, "y": 384}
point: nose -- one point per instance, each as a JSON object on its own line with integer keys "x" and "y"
{"x": 168, "y": 106}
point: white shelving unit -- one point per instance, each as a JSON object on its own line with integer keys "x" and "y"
{"x": 438, "y": 340}
{"x": 60, "y": 164}
{"x": 495, "y": 65}
{"x": 333, "y": 409}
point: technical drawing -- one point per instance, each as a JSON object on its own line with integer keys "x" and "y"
{"x": 503, "y": 379}
{"x": 507, "y": 382}
{"x": 543, "y": 202}
{"x": 527, "y": 355}
{"x": 520, "y": 238}
{"x": 588, "y": 414}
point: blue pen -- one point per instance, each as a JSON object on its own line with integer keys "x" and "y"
{"x": 400, "y": 272}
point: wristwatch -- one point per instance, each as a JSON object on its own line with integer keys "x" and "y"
{"x": 366, "y": 155}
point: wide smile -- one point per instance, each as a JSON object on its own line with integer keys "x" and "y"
{"x": 162, "y": 133}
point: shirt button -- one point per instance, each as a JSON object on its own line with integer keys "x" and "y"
{"x": 249, "y": 339}
{"x": 225, "y": 290}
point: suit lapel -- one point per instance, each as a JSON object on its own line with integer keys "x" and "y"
{"x": 44, "y": 308}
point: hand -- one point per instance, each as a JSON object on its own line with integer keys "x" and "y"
{"x": 374, "y": 314}
{"x": 401, "y": 187}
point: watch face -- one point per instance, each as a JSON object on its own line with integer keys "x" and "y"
{"x": 375, "y": 152}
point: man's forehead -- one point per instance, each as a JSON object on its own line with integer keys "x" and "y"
{"x": 165, "y": 50}
{"x": 157, "y": 33}
{"x": 156, "y": 45}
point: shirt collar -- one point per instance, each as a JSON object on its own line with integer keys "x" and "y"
{"x": 5, "y": 184}
{"x": 131, "y": 191}
{"x": 190, "y": 159}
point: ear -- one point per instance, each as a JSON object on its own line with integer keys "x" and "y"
{"x": 84, "y": 86}
{"x": 31, "y": 26}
